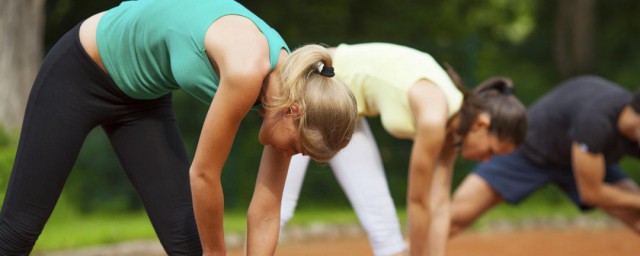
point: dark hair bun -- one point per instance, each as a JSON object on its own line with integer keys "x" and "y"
{"x": 503, "y": 85}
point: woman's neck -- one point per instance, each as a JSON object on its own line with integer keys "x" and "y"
{"x": 271, "y": 83}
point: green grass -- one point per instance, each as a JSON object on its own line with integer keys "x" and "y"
{"x": 67, "y": 229}
{"x": 546, "y": 206}
{"x": 518, "y": 216}
{"x": 75, "y": 231}
{"x": 309, "y": 216}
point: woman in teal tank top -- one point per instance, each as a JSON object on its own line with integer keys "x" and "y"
{"x": 117, "y": 70}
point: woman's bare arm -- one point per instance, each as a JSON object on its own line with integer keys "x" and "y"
{"x": 441, "y": 199}
{"x": 240, "y": 53}
{"x": 263, "y": 217}
{"x": 430, "y": 112}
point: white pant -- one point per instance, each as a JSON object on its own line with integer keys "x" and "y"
{"x": 358, "y": 168}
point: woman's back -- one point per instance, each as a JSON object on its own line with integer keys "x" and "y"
{"x": 380, "y": 76}
{"x": 153, "y": 47}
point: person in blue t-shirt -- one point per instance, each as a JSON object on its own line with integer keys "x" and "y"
{"x": 576, "y": 136}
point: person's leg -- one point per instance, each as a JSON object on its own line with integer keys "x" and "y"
{"x": 358, "y": 168}
{"x": 149, "y": 146}
{"x": 471, "y": 200}
{"x": 293, "y": 185}
{"x": 57, "y": 119}
{"x": 510, "y": 178}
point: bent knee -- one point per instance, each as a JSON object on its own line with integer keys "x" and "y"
{"x": 17, "y": 238}
{"x": 458, "y": 224}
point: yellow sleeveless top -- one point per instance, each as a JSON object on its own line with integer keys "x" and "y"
{"x": 380, "y": 75}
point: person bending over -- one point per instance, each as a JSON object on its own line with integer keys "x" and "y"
{"x": 117, "y": 70}
{"x": 417, "y": 100}
{"x": 576, "y": 135}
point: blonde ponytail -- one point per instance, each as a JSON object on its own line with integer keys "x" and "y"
{"x": 327, "y": 105}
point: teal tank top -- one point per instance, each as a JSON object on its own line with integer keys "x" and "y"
{"x": 152, "y": 47}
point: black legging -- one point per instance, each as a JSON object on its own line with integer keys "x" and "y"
{"x": 70, "y": 96}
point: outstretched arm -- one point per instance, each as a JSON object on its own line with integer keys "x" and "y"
{"x": 441, "y": 200}
{"x": 242, "y": 68}
{"x": 589, "y": 169}
{"x": 263, "y": 217}
{"x": 219, "y": 129}
{"x": 429, "y": 107}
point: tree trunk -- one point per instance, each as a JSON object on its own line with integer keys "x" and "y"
{"x": 21, "y": 35}
{"x": 575, "y": 37}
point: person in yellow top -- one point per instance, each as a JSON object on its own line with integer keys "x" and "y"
{"x": 416, "y": 99}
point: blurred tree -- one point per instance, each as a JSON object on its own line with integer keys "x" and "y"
{"x": 480, "y": 38}
{"x": 97, "y": 182}
{"x": 618, "y": 55}
{"x": 575, "y": 37}
{"x": 21, "y": 26}
{"x": 62, "y": 15}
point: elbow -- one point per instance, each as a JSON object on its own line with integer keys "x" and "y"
{"x": 459, "y": 223}
{"x": 418, "y": 201}
{"x": 196, "y": 175}
{"x": 201, "y": 176}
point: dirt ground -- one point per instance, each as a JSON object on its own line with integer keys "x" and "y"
{"x": 610, "y": 241}
{"x": 549, "y": 242}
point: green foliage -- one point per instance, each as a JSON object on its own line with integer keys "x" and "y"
{"x": 479, "y": 38}
{"x": 618, "y": 56}
{"x": 631, "y": 166}
{"x": 5, "y": 137}
{"x": 62, "y": 15}
{"x": 7, "y": 156}
{"x": 97, "y": 182}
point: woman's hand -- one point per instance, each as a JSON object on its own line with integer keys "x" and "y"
{"x": 263, "y": 217}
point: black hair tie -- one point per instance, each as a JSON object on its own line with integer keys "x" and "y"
{"x": 327, "y": 71}
{"x": 508, "y": 90}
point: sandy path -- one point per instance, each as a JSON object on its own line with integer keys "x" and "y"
{"x": 615, "y": 241}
